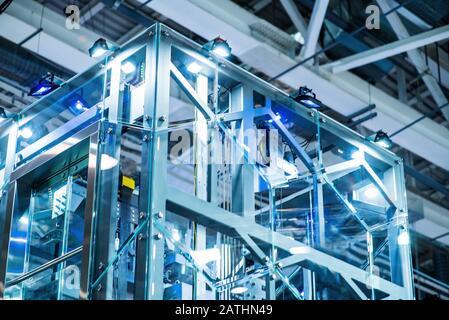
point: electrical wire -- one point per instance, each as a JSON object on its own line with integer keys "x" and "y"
{"x": 5, "y": 5}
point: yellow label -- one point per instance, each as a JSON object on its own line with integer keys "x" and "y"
{"x": 129, "y": 182}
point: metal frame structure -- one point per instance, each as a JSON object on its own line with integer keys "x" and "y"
{"x": 271, "y": 251}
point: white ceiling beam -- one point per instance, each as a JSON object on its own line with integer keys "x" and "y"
{"x": 417, "y": 58}
{"x": 91, "y": 11}
{"x": 410, "y": 16}
{"x": 314, "y": 28}
{"x": 55, "y": 42}
{"x": 390, "y": 49}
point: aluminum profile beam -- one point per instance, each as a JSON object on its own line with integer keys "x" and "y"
{"x": 417, "y": 58}
{"x": 390, "y": 49}
{"x": 314, "y": 28}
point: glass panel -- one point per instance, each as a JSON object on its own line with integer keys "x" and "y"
{"x": 119, "y": 192}
{"x": 67, "y": 110}
{"x": 48, "y": 220}
{"x": 60, "y": 282}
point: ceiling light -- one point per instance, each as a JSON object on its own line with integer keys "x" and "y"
{"x": 26, "y": 133}
{"x": 128, "y": 67}
{"x": 239, "y": 290}
{"x": 46, "y": 85}
{"x": 99, "y": 48}
{"x": 194, "y": 67}
{"x": 218, "y": 46}
{"x": 307, "y": 98}
{"x": 371, "y": 192}
{"x": 382, "y": 139}
{"x": 107, "y": 162}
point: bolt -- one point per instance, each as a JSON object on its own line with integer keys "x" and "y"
{"x": 141, "y": 237}
{"x": 147, "y": 118}
{"x": 142, "y": 215}
{"x": 158, "y": 236}
{"x": 273, "y": 277}
{"x": 322, "y": 120}
{"x": 267, "y": 259}
{"x": 159, "y": 215}
{"x": 99, "y": 288}
{"x": 165, "y": 33}
{"x": 100, "y": 266}
{"x": 146, "y": 138}
{"x": 109, "y": 131}
{"x": 162, "y": 118}
{"x": 280, "y": 264}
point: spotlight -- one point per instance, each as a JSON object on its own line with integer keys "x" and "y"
{"x": 99, "y": 48}
{"x": 128, "y": 67}
{"x": 26, "y": 133}
{"x": 383, "y": 140}
{"x": 218, "y": 46}
{"x": 194, "y": 67}
{"x": 77, "y": 104}
{"x": 307, "y": 98}
{"x": 46, "y": 85}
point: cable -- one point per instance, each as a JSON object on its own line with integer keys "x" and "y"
{"x": 429, "y": 115}
{"x": 333, "y": 44}
{"x": 5, "y": 5}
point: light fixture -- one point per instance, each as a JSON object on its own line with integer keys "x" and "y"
{"x": 371, "y": 192}
{"x": 99, "y": 48}
{"x": 307, "y": 98}
{"x": 26, "y": 132}
{"x": 203, "y": 257}
{"x": 403, "y": 237}
{"x": 46, "y": 85}
{"x": 128, "y": 67}
{"x": 383, "y": 140}
{"x": 77, "y": 104}
{"x": 299, "y": 250}
{"x": 218, "y": 46}
{"x": 107, "y": 162}
{"x": 239, "y": 290}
